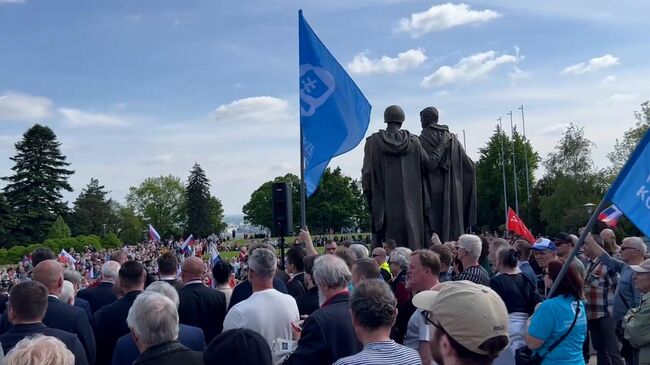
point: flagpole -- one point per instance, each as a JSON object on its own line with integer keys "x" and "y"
{"x": 503, "y": 170}
{"x": 523, "y": 125}
{"x": 303, "y": 216}
{"x": 514, "y": 164}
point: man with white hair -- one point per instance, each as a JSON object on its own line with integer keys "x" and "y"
{"x": 74, "y": 277}
{"x": 153, "y": 321}
{"x": 103, "y": 294}
{"x": 126, "y": 352}
{"x": 468, "y": 250}
{"x": 328, "y": 334}
{"x": 40, "y": 350}
{"x": 267, "y": 312}
{"x": 627, "y": 295}
{"x": 360, "y": 251}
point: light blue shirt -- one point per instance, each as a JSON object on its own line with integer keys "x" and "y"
{"x": 627, "y": 294}
{"x": 551, "y": 321}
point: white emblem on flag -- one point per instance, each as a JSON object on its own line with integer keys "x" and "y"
{"x": 316, "y": 86}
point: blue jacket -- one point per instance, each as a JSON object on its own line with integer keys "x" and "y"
{"x": 17, "y": 332}
{"x": 627, "y": 294}
{"x": 126, "y": 351}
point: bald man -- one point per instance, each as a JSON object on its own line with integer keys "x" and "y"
{"x": 110, "y": 321}
{"x": 200, "y": 306}
{"x": 60, "y": 315}
{"x": 379, "y": 255}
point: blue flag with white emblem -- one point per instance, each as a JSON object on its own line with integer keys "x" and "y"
{"x": 631, "y": 189}
{"x": 334, "y": 114}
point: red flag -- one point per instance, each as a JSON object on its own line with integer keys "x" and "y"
{"x": 515, "y": 224}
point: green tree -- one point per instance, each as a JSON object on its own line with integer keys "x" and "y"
{"x": 6, "y": 221}
{"x": 33, "y": 192}
{"x": 631, "y": 138}
{"x": 570, "y": 182}
{"x": 489, "y": 178}
{"x": 130, "y": 227}
{"x": 198, "y": 203}
{"x": 92, "y": 212}
{"x": 160, "y": 201}
{"x": 59, "y": 229}
{"x": 217, "y": 224}
{"x": 334, "y": 204}
{"x": 258, "y": 211}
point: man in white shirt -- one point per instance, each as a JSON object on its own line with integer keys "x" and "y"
{"x": 267, "y": 312}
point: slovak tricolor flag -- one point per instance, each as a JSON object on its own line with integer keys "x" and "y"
{"x": 610, "y": 216}
{"x": 188, "y": 242}
{"x": 153, "y": 234}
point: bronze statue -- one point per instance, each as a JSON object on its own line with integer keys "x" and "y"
{"x": 391, "y": 178}
{"x": 450, "y": 181}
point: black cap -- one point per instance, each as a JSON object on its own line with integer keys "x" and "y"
{"x": 238, "y": 346}
{"x": 562, "y": 236}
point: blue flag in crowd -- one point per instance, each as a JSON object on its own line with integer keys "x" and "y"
{"x": 334, "y": 114}
{"x": 631, "y": 190}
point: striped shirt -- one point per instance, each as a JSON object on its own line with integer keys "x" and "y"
{"x": 476, "y": 274}
{"x": 383, "y": 352}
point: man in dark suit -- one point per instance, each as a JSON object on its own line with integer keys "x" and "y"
{"x": 74, "y": 277}
{"x": 126, "y": 351}
{"x": 296, "y": 285}
{"x": 110, "y": 321}
{"x": 26, "y": 309}
{"x": 103, "y": 294}
{"x": 200, "y": 306}
{"x": 328, "y": 334}
{"x": 167, "y": 268}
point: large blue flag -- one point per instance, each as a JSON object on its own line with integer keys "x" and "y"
{"x": 334, "y": 114}
{"x": 631, "y": 189}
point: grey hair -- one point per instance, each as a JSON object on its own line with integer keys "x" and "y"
{"x": 110, "y": 270}
{"x": 638, "y": 243}
{"x": 401, "y": 256}
{"x": 472, "y": 244}
{"x": 153, "y": 318}
{"x": 39, "y": 350}
{"x": 67, "y": 291}
{"x": 330, "y": 271}
{"x": 360, "y": 251}
{"x": 373, "y": 304}
{"x": 164, "y": 288}
{"x": 263, "y": 262}
{"x": 72, "y": 276}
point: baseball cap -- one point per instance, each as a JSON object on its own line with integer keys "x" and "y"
{"x": 562, "y": 238}
{"x": 544, "y": 244}
{"x": 643, "y": 267}
{"x": 470, "y": 313}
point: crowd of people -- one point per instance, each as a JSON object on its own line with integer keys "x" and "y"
{"x": 478, "y": 300}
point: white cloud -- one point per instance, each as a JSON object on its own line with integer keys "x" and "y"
{"x": 468, "y": 69}
{"x": 608, "y": 80}
{"x": 594, "y": 64}
{"x": 445, "y": 16}
{"x": 619, "y": 98}
{"x": 362, "y": 65}
{"x": 12, "y": 1}
{"x": 554, "y": 130}
{"x": 518, "y": 74}
{"x": 76, "y": 117}
{"x": 133, "y": 18}
{"x": 254, "y": 109}
{"x": 18, "y": 107}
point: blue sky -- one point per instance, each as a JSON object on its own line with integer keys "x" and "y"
{"x": 144, "y": 88}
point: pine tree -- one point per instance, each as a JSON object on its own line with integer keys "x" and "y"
{"x": 59, "y": 229}
{"x": 92, "y": 211}
{"x": 216, "y": 215}
{"x": 6, "y": 221}
{"x": 33, "y": 192}
{"x": 198, "y": 203}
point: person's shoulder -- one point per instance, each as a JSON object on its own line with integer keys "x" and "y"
{"x": 62, "y": 335}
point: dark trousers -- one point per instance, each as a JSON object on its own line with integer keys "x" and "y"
{"x": 603, "y": 338}
{"x": 629, "y": 353}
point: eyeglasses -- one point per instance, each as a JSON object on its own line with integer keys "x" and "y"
{"x": 376, "y": 255}
{"x": 427, "y": 320}
{"x": 627, "y": 248}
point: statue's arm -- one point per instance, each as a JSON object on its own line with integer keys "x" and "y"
{"x": 366, "y": 174}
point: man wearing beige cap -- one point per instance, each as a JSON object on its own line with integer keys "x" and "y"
{"x": 636, "y": 322}
{"x": 470, "y": 323}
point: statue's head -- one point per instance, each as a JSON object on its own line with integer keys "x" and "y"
{"x": 428, "y": 116}
{"x": 394, "y": 114}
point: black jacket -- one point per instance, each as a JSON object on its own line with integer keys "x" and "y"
{"x": 110, "y": 324}
{"x": 327, "y": 335}
{"x": 83, "y": 304}
{"x": 17, "y": 332}
{"x": 308, "y": 302}
{"x": 296, "y": 286}
{"x": 169, "y": 353}
{"x": 202, "y": 307}
{"x": 99, "y": 296}
{"x": 175, "y": 283}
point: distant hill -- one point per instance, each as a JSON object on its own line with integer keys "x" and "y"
{"x": 233, "y": 218}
